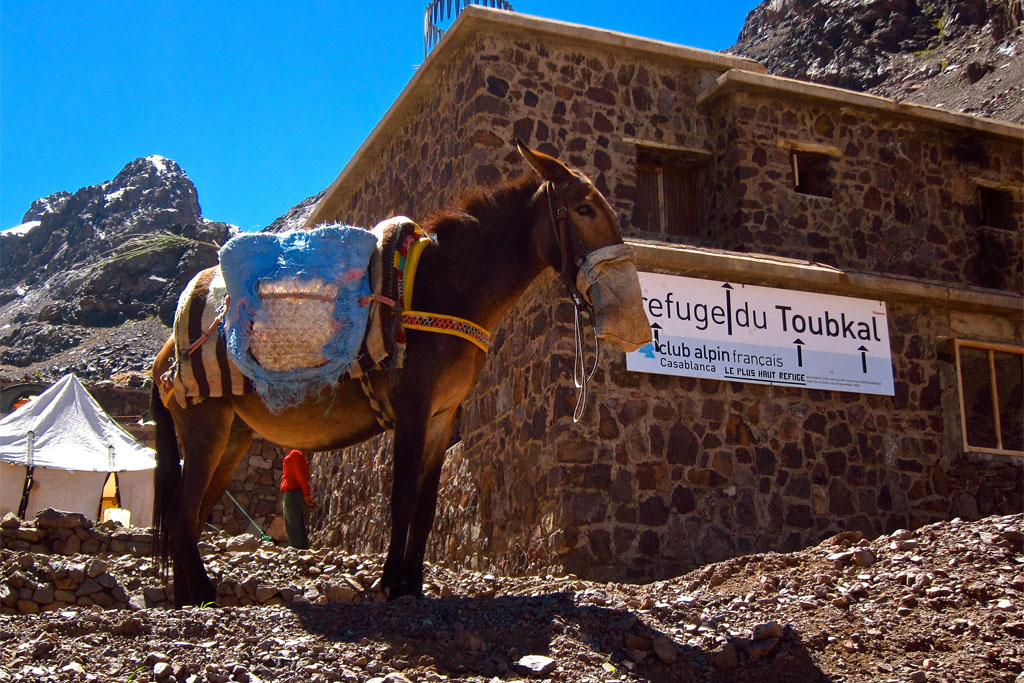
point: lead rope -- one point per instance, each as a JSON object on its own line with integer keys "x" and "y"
{"x": 580, "y": 376}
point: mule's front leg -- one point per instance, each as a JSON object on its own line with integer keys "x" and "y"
{"x": 439, "y": 434}
{"x": 414, "y": 505}
{"x": 408, "y": 458}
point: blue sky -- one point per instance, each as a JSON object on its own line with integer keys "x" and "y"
{"x": 261, "y": 103}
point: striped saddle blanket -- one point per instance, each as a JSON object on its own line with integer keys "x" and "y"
{"x": 203, "y": 367}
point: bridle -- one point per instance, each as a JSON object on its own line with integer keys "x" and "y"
{"x": 566, "y": 238}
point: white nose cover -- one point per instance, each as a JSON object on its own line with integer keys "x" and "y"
{"x": 608, "y": 280}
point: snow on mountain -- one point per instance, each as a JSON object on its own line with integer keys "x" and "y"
{"x": 23, "y": 228}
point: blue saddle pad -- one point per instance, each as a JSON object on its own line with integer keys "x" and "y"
{"x": 335, "y": 258}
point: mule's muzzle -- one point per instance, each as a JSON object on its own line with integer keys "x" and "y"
{"x": 608, "y": 281}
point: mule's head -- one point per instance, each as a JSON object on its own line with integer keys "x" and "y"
{"x": 598, "y": 269}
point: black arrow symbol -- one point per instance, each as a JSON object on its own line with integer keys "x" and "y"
{"x": 863, "y": 359}
{"x": 799, "y": 352}
{"x": 656, "y": 329}
{"x": 728, "y": 307}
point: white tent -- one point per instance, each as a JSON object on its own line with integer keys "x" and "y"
{"x": 72, "y": 445}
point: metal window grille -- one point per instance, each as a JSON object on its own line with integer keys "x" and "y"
{"x": 445, "y": 12}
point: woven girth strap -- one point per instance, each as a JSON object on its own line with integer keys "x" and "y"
{"x": 447, "y": 324}
{"x": 381, "y": 409}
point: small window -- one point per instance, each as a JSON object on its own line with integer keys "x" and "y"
{"x": 667, "y": 200}
{"x": 812, "y": 174}
{"x": 669, "y": 184}
{"x": 991, "y": 382}
{"x": 668, "y": 194}
{"x": 996, "y": 208}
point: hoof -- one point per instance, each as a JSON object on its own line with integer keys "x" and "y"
{"x": 402, "y": 590}
{"x": 204, "y": 599}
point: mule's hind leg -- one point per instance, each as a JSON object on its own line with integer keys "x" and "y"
{"x": 406, "y": 466}
{"x": 203, "y": 432}
{"x": 238, "y": 444}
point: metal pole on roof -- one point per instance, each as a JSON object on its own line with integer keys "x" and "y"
{"x": 438, "y": 11}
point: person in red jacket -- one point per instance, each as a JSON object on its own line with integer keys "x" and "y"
{"x": 295, "y": 484}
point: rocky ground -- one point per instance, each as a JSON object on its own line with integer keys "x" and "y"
{"x": 958, "y": 55}
{"x": 125, "y": 352}
{"x": 942, "y": 603}
{"x": 968, "y": 74}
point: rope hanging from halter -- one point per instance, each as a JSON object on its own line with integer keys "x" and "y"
{"x": 564, "y": 234}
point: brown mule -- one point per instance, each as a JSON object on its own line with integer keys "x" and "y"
{"x": 487, "y": 252}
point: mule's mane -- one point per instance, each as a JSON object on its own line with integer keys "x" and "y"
{"x": 500, "y": 206}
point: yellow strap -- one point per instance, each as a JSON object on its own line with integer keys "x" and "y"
{"x": 411, "y": 262}
{"x": 167, "y": 399}
{"x": 481, "y": 338}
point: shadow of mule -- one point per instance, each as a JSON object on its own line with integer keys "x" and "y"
{"x": 485, "y": 637}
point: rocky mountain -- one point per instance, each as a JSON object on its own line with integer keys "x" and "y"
{"x": 961, "y": 55}
{"x": 296, "y": 216}
{"x": 72, "y": 299}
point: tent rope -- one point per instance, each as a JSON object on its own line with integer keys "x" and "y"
{"x": 263, "y": 534}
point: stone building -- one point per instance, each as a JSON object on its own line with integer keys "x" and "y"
{"x": 722, "y": 173}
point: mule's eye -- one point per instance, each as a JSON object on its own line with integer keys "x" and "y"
{"x": 585, "y": 210}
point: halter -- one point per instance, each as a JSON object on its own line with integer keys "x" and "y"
{"x": 565, "y": 237}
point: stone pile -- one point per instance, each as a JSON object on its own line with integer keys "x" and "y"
{"x": 30, "y": 587}
{"x": 317, "y": 577}
{"x": 63, "y": 533}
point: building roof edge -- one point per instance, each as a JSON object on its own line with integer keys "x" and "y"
{"x": 739, "y": 80}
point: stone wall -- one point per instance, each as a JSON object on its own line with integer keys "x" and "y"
{"x": 86, "y": 583}
{"x": 256, "y": 485}
{"x": 904, "y": 193}
{"x": 666, "y": 473}
{"x": 62, "y": 559}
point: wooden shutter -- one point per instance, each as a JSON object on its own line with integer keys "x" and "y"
{"x": 647, "y": 204}
{"x": 682, "y": 205}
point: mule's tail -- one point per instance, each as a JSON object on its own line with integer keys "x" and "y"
{"x": 165, "y": 476}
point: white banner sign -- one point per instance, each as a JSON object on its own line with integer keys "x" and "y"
{"x": 719, "y": 330}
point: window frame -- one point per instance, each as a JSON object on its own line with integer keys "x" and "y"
{"x": 661, "y": 160}
{"x": 995, "y": 203}
{"x": 675, "y": 174}
{"x": 820, "y": 169}
{"x": 990, "y": 348}
{"x": 659, "y": 172}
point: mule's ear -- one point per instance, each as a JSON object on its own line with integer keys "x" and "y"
{"x": 547, "y": 167}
